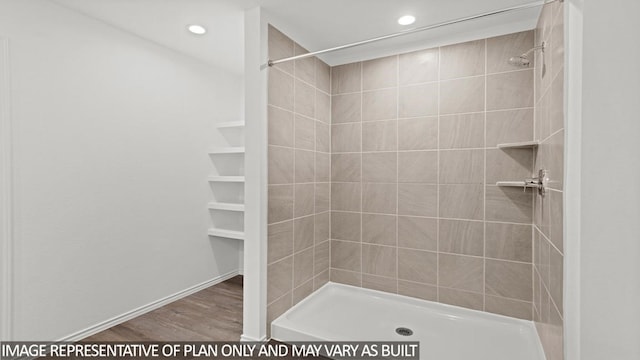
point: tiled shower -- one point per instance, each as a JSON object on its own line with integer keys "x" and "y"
{"x": 382, "y": 174}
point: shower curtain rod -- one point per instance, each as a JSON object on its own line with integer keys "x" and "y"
{"x": 414, "y": 30}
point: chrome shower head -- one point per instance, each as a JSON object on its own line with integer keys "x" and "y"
{"x": 521, "y": 60}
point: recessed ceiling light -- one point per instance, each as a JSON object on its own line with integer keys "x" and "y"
{"x": 197, "y": 29}
{"x": 406, "y": 20}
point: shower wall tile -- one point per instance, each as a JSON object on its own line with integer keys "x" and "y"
{"x": 418, "y": 133}
{"x": 419, "y": 67}
{"x": 380, "y": 73}
{"x": 299, "y": 190}
{"x": 379, "y": 104}
{"x": 462, "y": 60}
{"x": 380, "y": 136}
{"x": 346, "y": 78}
{"x": 462, "y": 95}
{"x": 462, "y": 131}
{"x": 415, "y": 209}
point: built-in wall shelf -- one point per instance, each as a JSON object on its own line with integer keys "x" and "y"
{"x": 227, "y": 150}
{"x": 225, "y": 206}
{"x": 230, "y": 234}
{"x": 230, "y": 124}
{"x": 232, "y": 179}
{"x": 519, "y": 145}
{"x": 515, "y": 184}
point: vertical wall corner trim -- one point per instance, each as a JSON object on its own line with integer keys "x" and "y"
{"x": 6, "y": 196}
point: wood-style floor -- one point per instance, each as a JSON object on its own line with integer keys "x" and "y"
{"x": 212, "y": 314}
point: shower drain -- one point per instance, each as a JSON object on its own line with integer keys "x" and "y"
{"x": 404, "y": 331}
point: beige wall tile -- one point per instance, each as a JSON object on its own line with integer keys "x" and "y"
{"x": 322, "y": 197}
{"x": 501, "y": 48}
{"x": 461, "y": 237}
{"x": 418, "y": 266}
{"x": 557, "y": 44}
{"x": 278, "y": 307}
{"x": 418, "y": 290}
{"x": 419, "y": 66}
{"x": 280, "y": 162}
{"x": 379, "y": 167}
{"x": 461, "y": 166}
{"x": 542, "y": 117}
{"x": 418, "y": 134}
{"x": 509, "y": 126}
{"x": 322, "y": 228}
{"x": 417, "y": 233}
{"x": 346, "y": 108}
{"x": 345, "y": 226}
{"x": 550, "y": 157}
{"x": 418, "y": 100}
{"x": 379, "y": 104}
{"x": 510, "y": 90}
{"x": 321, "y": 257}
{"x": 304, "y": 200}
{"x": 508, "y": 165}
{"x": 345, "y": 255}
{"x": 379, "y": 198}
{"x": 305, "y": 133}
{"x": 323, "y": 76}
{"x": 380, "y": 283}
{"x": 379, "y": 260}
{"x": 460, "y": 272}
{"x": 321, "y": 279}
{"x": 509, "y": 242}
{"x": 302, "y": 291}
{"x": 280, "y": 89}
{"x": 461, "y": 201}
{"x": 508, "y": 307}
{"x": 302, "y": 267}
{"x": 304, "y": 69}
{"x": 556, "y": 104}
{"x": 280, "y": 46}
{"x": 305, "y": 169}
{"x": 462, "y": 95}
{"x": 323, "y": 137}
{"x": 346, "y": 137}
{"x": 280, "y": 127}
{"x": 379, "y": 229}
{"x": 417, "y": 199}
{"x": 466, "y": 299}
{"x": 379, "y": 135}
{"x": 346, "y": 277}
{"x": 380, "y": 73}
{"x": 280, "y": 203}
{"x": 556, "y": 277}
{"x": 323, "y": 107}
{"x": 461, "y": 60}
{"x": 303, "y": 233}
{"x": 418, "y": 167}
{"x": 346, "y": 78}
{"x": 508, "y": 279}
{"x": 279, "y": 241}
{"x": 346, "y": 167}
{"x": 555, "y": 219}
{"x": 462, "y": 131}
{"x": 508, "y": 204}
{"x": 305, "y": 99}
{"x": 279, "y": 278}
{"x": 346, "y": 196}
{"x": 323, "y": 167}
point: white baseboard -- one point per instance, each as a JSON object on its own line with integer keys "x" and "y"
{"x": 94, "y": 329}
{"x": 245, "y": 338}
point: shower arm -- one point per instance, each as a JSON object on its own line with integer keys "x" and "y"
{"x": 412, "y": 31}
{"x": 533, "y": 49}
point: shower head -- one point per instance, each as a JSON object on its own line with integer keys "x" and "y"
{"x": 523, "y": 60}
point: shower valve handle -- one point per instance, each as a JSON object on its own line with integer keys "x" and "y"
{"x": 539, "y": 182}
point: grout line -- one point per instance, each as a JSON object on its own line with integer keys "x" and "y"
{"x": 397, "y": 280}
{"x": 438, "y": 178}
{"x": 361, "y": 173}
{"x": 484, "y": 190}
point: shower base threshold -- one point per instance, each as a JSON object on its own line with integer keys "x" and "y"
{"x": 338, "y": 312}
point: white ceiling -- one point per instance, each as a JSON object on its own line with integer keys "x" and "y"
{"x": 316, "y": 24}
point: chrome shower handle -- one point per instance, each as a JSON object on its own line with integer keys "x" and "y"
{"x": 539, "y": 182}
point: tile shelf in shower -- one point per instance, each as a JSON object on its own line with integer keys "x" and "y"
{"x": 519, "y": 145}
{"x": 225, "y": 206}
{"x": 230, "y": 124}
{"x": 227, "y": 150}
{"x": 515, "y": 184}
{"x": 229, "y": 234}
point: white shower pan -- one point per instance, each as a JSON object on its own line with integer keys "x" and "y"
{"x": 338, "y": 312}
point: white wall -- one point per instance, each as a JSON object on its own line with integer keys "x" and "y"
{"x": 610, "y": 203}
{"x": 110, "y": 139}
